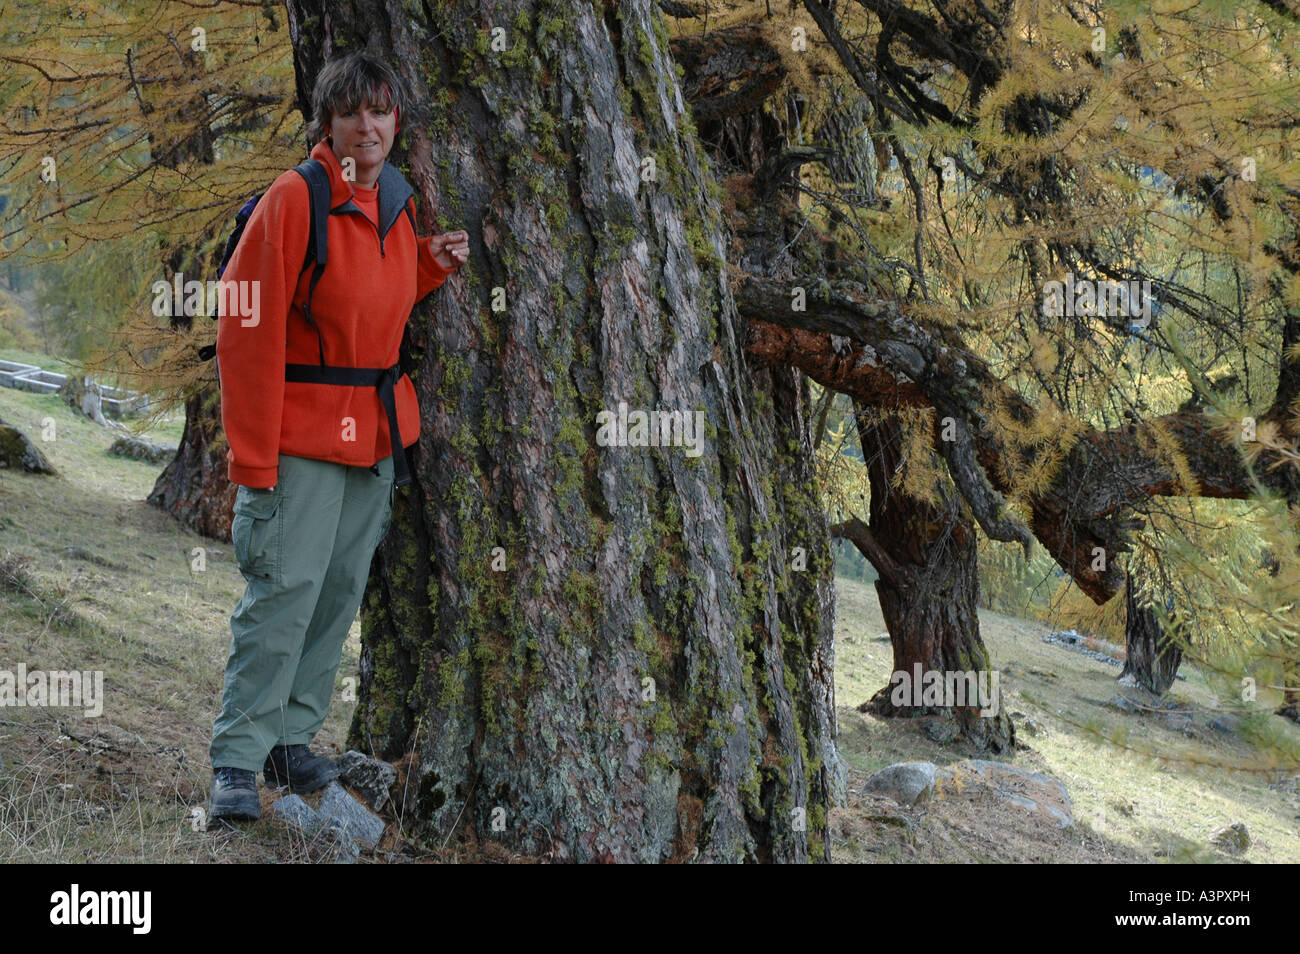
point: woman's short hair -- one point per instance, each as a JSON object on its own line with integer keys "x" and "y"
{"x": 347, "y": 81}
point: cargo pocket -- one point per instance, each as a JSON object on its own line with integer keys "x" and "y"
{"x": 257, "y": 533}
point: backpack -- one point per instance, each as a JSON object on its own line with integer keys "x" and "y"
{"x": 318, "y": 188}
{"x": 383, "y": 379}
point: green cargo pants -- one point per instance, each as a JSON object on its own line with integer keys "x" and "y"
{"x": 304, "y": 547}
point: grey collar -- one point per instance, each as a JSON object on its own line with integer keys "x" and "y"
{"x": 394, "y": 193}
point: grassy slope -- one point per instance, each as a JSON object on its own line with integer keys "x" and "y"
{"x": 1130, "y": 806}
{"x": 120, "y": 787}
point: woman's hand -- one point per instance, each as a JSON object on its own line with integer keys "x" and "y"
{"x": 451, "y": 249}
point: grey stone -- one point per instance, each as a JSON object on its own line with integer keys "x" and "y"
{"x": 371, "y": 777}
{"x": 939, "y": 729}
{"x": 1234, "y": 839}
{"x": 296, "y": 813}
{"x": 344, "y": 850}
{"x": 908, "y": 783}
{"x": 1226, "y": 723}
{"x": 18, "y": 451}
{"x": 344, "y": 812}
{"x": 138, "y": 448}
{"x": 339, "y": 846}
{"x": 1123, "y": 703}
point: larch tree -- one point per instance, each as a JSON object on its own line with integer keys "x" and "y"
{"x": 1015, "y": 133}
{"x": 583, "y": 651}
{"x": 130, "y": 130}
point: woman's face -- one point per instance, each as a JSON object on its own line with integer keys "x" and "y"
{"x": 364, "y": 135}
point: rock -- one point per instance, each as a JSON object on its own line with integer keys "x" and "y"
{"x": 300, "y": 816}
{"x": 908, "y": 783}
{"x": 296, "y": 813}
{"x": 138, "y": 448}
{"x": 1123, "y": 703}
{"x": 371, "y": 777}
{"x": 1039, "y": 794}
{"x": 1291, "y": 784}
{"x": 1226, "y": 723}
{"x": 1234, "y": 839}
{"x": 17, "y": 451}
{"x": 881, "y": 637}
{"x": 344, "y": 812}
{"x": 940, "y": 729}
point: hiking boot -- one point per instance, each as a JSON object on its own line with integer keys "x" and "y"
{"x": 234, "y": 794}
{"x": 299, "y": 768}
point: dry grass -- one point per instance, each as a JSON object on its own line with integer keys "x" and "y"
{"x": 92, "y": 578}
{"x": 1146, "y": 786}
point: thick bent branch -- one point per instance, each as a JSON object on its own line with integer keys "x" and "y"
{"x": 1088, "y": 504}
{"x": 859, "y": 534}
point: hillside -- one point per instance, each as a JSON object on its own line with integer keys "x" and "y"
{"x": 96, "y": 579}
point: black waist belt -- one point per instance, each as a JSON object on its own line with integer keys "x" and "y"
{"x": 382, "y": 379}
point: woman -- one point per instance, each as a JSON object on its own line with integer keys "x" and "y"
{"x": 316, "y": 414}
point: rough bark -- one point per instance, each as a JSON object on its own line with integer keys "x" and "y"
{"x": 194, "y": 487}
{"x": 929, "y": 594}
{"x": 516, "y": 682}
{"x": 1153, "y": 657}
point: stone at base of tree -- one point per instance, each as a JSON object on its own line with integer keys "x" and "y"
{"x": 298, "y": 815}
{"x": 138, "y": 448}
{"x": 17, "y": 451}
{"x": 1226, "y": 723}
{"x": 908, "y": 783}
{"x": 340, "y": 810}
{"x": 939, "y": 729}
{"x": 370, "y": 777}
{"x": 1234, "y": 839}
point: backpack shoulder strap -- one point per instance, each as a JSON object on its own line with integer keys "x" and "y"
{"x": 318, "y": 189}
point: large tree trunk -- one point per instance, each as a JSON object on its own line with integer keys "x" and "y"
{"x": 929, "y": 595}
{"x": 1153, "y": 657}
{"x": 194, "y": 487}
{"x": 585, "y": 652}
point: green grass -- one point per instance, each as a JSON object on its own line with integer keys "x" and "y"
{"x": 48, "y": 362}
{"x": 168, "y": 431}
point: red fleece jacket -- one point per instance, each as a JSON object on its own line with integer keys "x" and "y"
{"x": 361, "y": 305}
